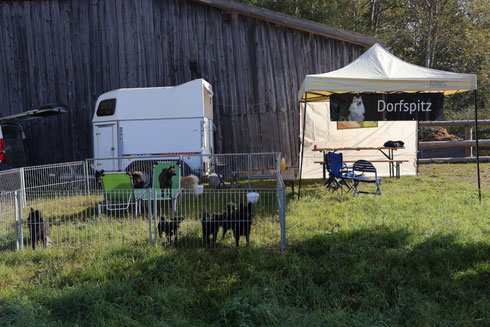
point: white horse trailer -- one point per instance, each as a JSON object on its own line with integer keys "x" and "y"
{"x": 156, "y": 121}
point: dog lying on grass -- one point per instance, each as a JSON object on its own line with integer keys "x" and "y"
{"x": 38, "y": 228}
{"x": 170, "y": 228}
{"x": 165, "y": 179}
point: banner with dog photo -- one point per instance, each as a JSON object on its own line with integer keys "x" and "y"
{"x": 381, "y": 107}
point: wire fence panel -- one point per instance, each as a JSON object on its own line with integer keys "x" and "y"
{"x": 66, "y": 205}
{"x": 77, "y": 218}
{"x": 7, "y": 221}
{"x": 219, "y": 219}
{"x": 265, "y": 165}
{"x": 10, "y": 180}
{"x": 213, "y": 219}
{"x": 64, "y": 176}
{"x": 218, "y": 170}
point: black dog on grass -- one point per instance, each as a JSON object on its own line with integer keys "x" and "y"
{"x": 170, "y": 228}
{"x": 210, "y": 226}
{"x": 212, "y": 222}
{"x": 38, "y": 228}
{"x": 228, "y": 217}
{"x": 241, "y": 222}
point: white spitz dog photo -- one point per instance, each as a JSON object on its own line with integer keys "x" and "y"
{"x": 356, "y": 109}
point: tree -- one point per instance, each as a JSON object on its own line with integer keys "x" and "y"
{"x": 449, "y": 35}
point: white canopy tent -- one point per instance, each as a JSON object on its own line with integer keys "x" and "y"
{"x": 378, "y": 71}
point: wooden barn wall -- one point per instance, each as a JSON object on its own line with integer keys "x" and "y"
{"x": 72, "y": 51}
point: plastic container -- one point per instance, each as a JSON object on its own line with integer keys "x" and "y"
{"x": 213, "y": 180}
{"x": 253, "y": 197}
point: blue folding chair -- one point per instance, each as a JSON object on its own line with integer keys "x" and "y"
{"x": 339, "y": 175}
{"x": 364, "y": 166}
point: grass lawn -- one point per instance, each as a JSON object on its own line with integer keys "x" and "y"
{"x": 419, "y": 255}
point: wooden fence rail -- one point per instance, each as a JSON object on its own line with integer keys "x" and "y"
{"x": 485, "y": 122}
{"x": 452, "y": 144}
{"x": 468, "y": 143}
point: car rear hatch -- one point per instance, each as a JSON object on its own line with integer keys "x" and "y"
{"x": 12, "y": 135}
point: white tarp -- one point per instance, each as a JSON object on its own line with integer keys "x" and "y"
{"x": 323, "y": 133}
{"x": 377, "y": 70}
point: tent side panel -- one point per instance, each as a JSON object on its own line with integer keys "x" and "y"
{"x": 323, "y": 133}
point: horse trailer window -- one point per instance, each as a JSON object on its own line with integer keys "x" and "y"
{"x": 106, "y": 107}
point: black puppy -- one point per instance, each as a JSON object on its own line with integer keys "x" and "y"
{"x": 241, "y": 222}
{"x": 165, "y": 179}
{"x": 228, "y": 217}
{"x": 210, "y": 226}
{"x": 170, "y": 228}
{"x": 98, "y": 177}
{"x": 38, "y": 228}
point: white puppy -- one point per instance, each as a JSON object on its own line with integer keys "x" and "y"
{"x": 356, "y": 109}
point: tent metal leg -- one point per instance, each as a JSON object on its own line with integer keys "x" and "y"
{"x": 302, "y": 146}
{"x": 477, "y": 149}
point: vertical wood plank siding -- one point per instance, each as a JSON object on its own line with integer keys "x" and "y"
{"x": 72, "y": 51}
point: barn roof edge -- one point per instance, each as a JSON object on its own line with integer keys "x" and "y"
{"x": 293, "y": 22}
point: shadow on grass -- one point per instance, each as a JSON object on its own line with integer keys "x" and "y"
{"x": 363, "y": 277}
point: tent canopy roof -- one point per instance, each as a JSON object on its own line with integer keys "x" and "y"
{"x": 377, "y": 70}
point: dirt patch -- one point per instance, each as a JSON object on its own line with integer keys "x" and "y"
{"x": 441, "y": 135}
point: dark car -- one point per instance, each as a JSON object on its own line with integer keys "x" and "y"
{"x": 12, "y": 152}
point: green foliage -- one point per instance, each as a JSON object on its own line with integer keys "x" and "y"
{"x": 417, "y": 256}
{"x": 449, "y": 35}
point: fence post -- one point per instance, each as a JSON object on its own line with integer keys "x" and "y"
{"x": 16, "y": 213}
{"x": 468, "y": 135}
{"x": 149, "y": 214}
{"x": 22, "y": 185}
{"x": 19, "y": 231}
{"x": 249, "y": 170}
{"x": 85, "y": 172}
{"x": 282, "y": 216}
{"x": 155, "y": 215}
{"x": 278, "y": 163}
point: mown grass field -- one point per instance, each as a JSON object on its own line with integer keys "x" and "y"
{"x": 419, "y": 255}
